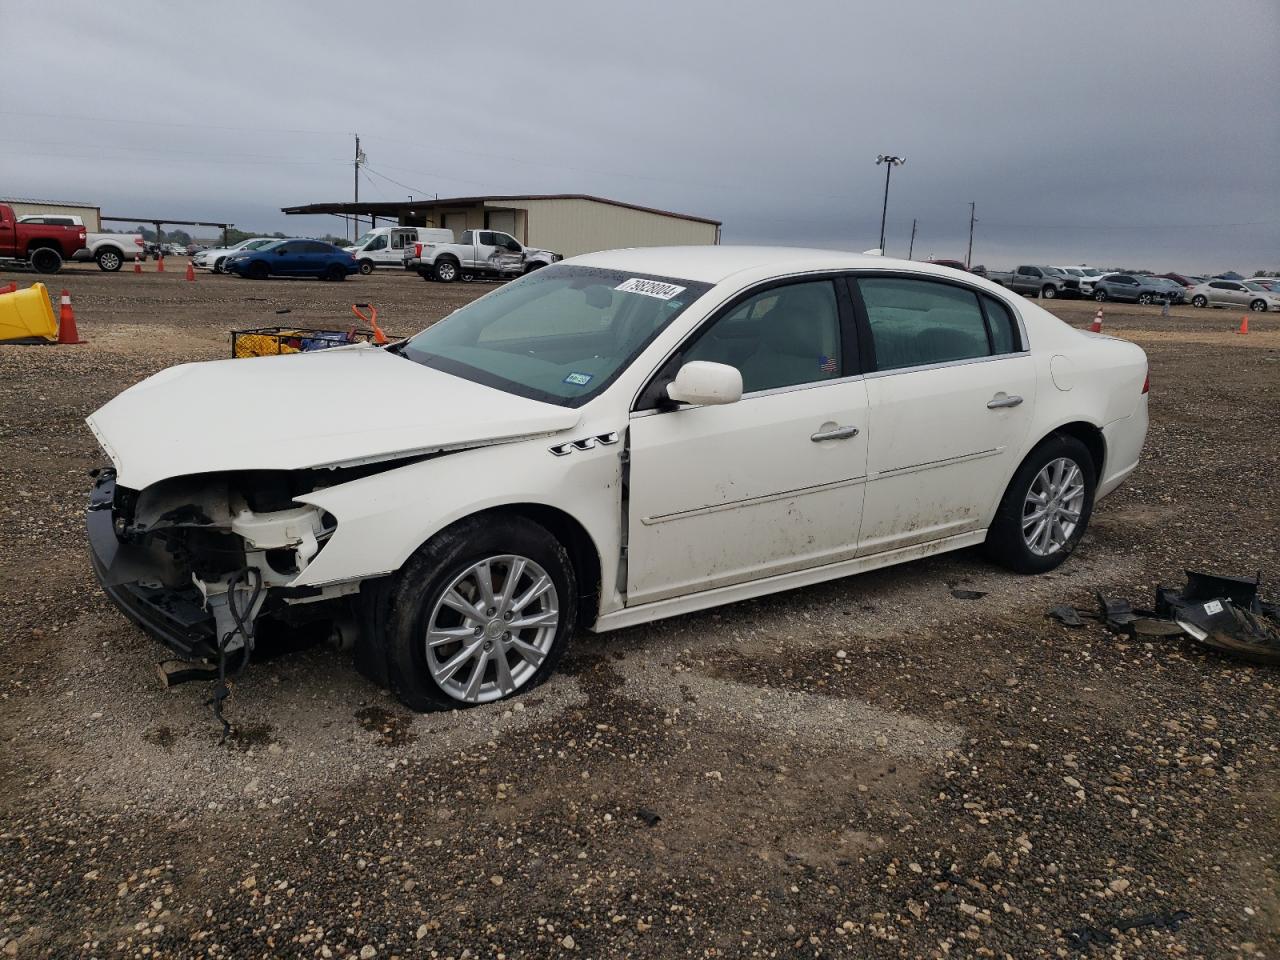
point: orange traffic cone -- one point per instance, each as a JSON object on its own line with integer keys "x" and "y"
{"x": 1244, "y": 324}
{"x": 160, "y": 263}
{"x": 137, "y": 264}
{"x": 67, "y": 333}
{"x": 1096, "y": 326}
{"x": 191, "y": 271}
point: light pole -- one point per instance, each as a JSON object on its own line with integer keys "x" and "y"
{"x": 889, "y": 163}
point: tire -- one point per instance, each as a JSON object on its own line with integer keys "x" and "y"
{"x": 446, "y": 270}
{"x": 1258, "y": 306}
{"x": 1100, "y": 296}
{"x": 257, "y": 271}
{"x": 109, "y": 260}
{"x": 45, "y": 260}
{"x": 366, "y": 267}
{"x": 1145, "y": 299}
{"x": 535, "y": 265}
{"x": 1006, "y": 543}
{"x": 426, "y": 274}
{"x": 217, "y": 264}
{"x": 1200, "y": 300}
{"x": 418, "y": 674}
{"x": 1048, "y": 292}
{"x": 335, "y": 273}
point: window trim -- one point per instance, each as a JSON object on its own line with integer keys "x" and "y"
{"x": 643, "y": 404}
{"x": 864, "y": 321}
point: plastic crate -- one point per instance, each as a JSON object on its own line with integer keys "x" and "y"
{"x": 274, "y": 341}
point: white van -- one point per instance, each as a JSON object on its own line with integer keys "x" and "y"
{"x": 385, "y": 246}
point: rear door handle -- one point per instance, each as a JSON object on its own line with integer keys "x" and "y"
{"x": 1003, "y": 400}
{"x": 836, "y": 433}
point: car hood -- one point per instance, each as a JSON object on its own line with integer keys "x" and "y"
{"x": 337, "y": 407}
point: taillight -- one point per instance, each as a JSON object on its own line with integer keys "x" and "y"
{"x": 417, "y": 249}
{"x": 1146, "y": 383}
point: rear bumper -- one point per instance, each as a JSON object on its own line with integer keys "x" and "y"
{"x": 176, "y": 618}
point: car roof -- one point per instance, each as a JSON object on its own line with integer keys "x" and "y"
{"x": 714, "y": 263}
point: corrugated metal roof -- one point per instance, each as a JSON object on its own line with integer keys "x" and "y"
{"x": 52, "y": 203}
{"x": 397, "y": 207}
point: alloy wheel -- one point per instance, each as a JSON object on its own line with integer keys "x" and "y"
{"x": 491, "y": 629}
{"x": 1052, "y": 509}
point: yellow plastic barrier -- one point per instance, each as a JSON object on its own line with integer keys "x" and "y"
{"x": 27, "y": 315}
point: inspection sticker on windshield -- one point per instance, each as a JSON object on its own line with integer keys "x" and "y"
{"x": 579, "y": 379}
{"x": 649, "y": 288}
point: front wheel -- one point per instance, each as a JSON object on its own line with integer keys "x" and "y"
{"x": 1100, "y": 295}
{"x": 1200, "y": 300}
{"x": 1258, "y": 306}
{"x": 1048, "y": 292}
{"x": 217, "y": 264}
{"x": 366, "y": 267}
{"x": 109, "y": 260}
{"x": 484, "y": 610}
{"x": 1046, "y": 508}
{"x": 1145, "y": 299}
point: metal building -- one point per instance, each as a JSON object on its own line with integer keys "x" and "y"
{"x": 89, "y": 215}
{"x": 568, "y": 223}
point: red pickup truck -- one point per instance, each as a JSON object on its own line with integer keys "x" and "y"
{"x": 42, "y": 246}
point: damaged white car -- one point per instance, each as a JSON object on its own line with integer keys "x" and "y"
{"x": 617, "y": 438}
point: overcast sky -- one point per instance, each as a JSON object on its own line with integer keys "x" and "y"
{"x": 1111, "y": 133}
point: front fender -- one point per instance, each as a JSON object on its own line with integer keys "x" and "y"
{"x": 383, "y": 519}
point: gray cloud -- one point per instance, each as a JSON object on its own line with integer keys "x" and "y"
{"x": 1143, "y": 133}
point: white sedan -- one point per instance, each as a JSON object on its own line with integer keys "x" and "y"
{"x": 617, "y": 438}
{"x": 213, "y": 258}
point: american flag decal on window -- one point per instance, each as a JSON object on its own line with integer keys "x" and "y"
{"x": 827, "y": 364}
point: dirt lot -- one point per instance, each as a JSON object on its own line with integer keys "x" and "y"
{"x": 867, "y": 768}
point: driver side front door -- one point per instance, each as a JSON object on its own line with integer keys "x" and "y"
{"x": 770, "y": 484}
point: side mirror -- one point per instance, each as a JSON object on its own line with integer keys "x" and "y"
{"x": 706, "y": 383}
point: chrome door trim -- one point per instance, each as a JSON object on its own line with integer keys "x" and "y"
{"x": 751, "y": 501}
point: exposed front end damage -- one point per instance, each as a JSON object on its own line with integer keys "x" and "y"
{"x": 198, "y": 561}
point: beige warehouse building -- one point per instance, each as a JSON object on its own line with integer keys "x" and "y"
{"x": 89, "y": 215}
{"x": 566, "y": 223}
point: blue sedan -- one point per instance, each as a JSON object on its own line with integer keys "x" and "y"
{"x": 293, "y": 258}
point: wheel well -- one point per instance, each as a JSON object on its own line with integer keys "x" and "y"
{"x": 575, "y": 539}
{"x": 1091, "y": 437}
{"x": 108, "y": 246}
{"x": 447, "y": 256}
{"x": 43, "y": 244}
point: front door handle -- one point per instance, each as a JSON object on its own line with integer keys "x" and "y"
{"x": 836, "y": 433}
{"x": 1003, "y": 400}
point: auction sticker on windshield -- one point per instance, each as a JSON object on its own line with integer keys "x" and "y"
{"x": 649, "y": 288}
{"x": 579, "y": 379}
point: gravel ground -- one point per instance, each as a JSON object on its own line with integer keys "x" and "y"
{"x": 866, "y": 768}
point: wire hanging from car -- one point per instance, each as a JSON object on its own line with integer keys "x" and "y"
{"x": 223, "y": 689}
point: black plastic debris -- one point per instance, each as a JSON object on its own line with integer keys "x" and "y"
{"x": 1224, "y": 614}
{"x": 1117, "y": 614}
{"x": 1084, "y": 937}
{"x": 968, "y": 594}
{"x": 1066, "y": 615}
{"x": 650, "y": 817}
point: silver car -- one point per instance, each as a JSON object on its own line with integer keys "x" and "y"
{"x": 1234, "y": 293}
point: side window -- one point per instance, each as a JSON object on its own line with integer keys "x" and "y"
{"x": 1003, "y": 328}
{"x": 782, "y": 337}
{"x": 1217, "y": 285}
{"x": 1033, "y": 272}
{"x": 485, "y": 238}
{"x": 506, "y": 242}
{"x": 917, "y": 322}
{"x": 468, "y": 237}
{"x": 378, "y": 243}
{"x": 316, "y": 247}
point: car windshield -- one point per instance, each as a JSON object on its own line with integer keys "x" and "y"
{"x": 560, "y": 334}
{"x": 364, "y": 239}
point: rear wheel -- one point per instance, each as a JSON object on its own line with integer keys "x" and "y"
{"x": 446, "y": 270}
{"x": 109, "y": 260}
{"x": 335, "y": 272}
{"x": 1100, "y": 295}
{"x": 1046, "y": 508}
{"x": 483, "y": 611}
{"x": 1258, "y": 306}
{"x": 45, "y": 260}
{"x": 366, "y": 267}
{"x": 1048, "y": 291}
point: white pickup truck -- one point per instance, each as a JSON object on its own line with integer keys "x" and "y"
{"x": 480, "y": 254}
{"x": 110, "y": 250}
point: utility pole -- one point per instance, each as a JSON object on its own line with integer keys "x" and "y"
{"x": 968, "y": 257}
{"x": 913, "y": 238}
{"x": 355, "y": 173}
{"x": 889, "y": 163}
